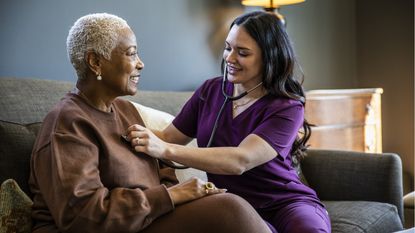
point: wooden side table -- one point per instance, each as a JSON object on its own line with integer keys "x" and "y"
{"x": 345, "y": 119}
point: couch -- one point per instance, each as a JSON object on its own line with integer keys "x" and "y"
{"x": 362, "y": 192}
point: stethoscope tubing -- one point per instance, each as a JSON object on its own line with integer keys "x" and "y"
{"x": 228, "y": 98}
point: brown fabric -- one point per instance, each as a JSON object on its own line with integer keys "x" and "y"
{"x": 86, "y": 179}
{"x": 212, "y": 214}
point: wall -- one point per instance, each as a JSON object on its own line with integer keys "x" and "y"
{"x": 385, "y": 58}
{"x": 180, "y": 41}
{"x": 172, "y": 36}
{"x": 324, "y": 36}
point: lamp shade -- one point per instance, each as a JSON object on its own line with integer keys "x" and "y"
{"x": 270, "y": 3}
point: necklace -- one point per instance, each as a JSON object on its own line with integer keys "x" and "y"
{"x": 235, "y": 105}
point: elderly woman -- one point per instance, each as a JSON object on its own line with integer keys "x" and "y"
{"x": 85, "y": 178}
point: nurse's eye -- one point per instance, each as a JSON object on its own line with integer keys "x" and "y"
{"x": 243, "y": 54}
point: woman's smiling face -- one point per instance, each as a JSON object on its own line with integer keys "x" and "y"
{"x": 243, "y": 57}
{"x": 122, "y": 72}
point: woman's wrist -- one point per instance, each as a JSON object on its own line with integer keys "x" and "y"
{"x": 168, "y": 152}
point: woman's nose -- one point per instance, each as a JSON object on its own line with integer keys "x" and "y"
{"x": 140, "y": 64}
{"x": 230, "y": 57}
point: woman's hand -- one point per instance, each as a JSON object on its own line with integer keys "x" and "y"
{"x": 192, "y": 189}
{"x": 144, "y": 140}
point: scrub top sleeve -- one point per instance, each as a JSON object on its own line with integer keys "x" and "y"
{"x": 186, "y": 120}
{"x": 281, "y": 128}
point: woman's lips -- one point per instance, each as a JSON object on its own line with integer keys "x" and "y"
{"x": 135, "y": 79}
{"x": 232, "y": 70}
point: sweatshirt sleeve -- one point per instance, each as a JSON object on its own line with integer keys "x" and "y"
{"x": 67, "y": 173}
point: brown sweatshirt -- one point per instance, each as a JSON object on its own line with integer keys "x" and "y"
{"x": 85, "y": 178}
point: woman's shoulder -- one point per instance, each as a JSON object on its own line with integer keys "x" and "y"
{"x": 67, "y": 112}
{"x": 122, "y": 104}
{"x": 211, "y": 83}
{"x": 283, "y": 102}
{"x": 65, "y": 108}
{"x": 63, "y": 115}
{"x": 209, "y": 86}
{"x": 281, "y": 105}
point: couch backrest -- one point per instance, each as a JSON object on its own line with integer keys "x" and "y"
{"x": 29, "y": 100}
{"x": 25, "y": 102}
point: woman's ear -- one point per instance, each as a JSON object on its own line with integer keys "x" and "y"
{"x": 93, "y": 62}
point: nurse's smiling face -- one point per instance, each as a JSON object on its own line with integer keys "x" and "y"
{"x": 243, "y": 58}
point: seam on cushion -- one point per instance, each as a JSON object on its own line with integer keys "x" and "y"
{"x": 350, "y": 223}
{"x": 371, "y": 224}
{"x": 381, "y": 217}
{"x": 21, "y": 124}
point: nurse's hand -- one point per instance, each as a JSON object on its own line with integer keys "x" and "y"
{"x": 144, "y": 140}
{"x": 192, "y": 189}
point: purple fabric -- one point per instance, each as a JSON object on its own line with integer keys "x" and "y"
{"x": 276, "y": 120}
{"x": 298, "y": 217}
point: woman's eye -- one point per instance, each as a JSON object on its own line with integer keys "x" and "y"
{"x": 243, "y": 54}
{"x": 228, "y": 48}
{"x": 132, "y": 53}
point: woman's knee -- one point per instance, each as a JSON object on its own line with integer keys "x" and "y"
{"x": 230, "y": 204}
{"x": 236, "y": 212}
{"x": 216, "y": 213}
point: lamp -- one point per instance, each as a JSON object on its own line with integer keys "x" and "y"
{"x": 271, "y": 5}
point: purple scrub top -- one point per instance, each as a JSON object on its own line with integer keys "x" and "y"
{"x": 276, "y": 120}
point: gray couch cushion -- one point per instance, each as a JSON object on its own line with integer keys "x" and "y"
{"x": 363, "y": 216}
{"x": 29, "y": 100}
{"x": 15, "y": 149}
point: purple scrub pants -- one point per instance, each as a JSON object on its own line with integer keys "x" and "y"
{"x": 298, "y": 217}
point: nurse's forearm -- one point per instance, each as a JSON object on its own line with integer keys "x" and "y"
{"x": 217, "y": 160}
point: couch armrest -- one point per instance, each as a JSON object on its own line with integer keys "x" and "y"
{"x": 345, "y": 175}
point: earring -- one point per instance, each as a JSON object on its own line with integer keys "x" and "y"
{"x": 99, "y": 78}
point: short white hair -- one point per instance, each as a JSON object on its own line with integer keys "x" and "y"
{"x": 94, "y": 32}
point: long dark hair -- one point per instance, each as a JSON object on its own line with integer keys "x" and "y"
{"x": 278, "y": 65}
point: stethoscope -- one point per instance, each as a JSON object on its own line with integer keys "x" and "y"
{"x": 228, "y": 98}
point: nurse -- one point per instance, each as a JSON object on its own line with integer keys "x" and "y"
{"x": 256, "y": 145}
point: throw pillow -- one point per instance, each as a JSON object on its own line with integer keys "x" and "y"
{"x": 153, "y": 118}
{"x": 15, "y": 149}
{"x": 15, "y": 208}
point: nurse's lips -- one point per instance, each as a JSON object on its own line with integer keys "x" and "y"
{"x": 232, "y": 70}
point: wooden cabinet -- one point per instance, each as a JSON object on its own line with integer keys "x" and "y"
{"x": 345, "y": 119}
